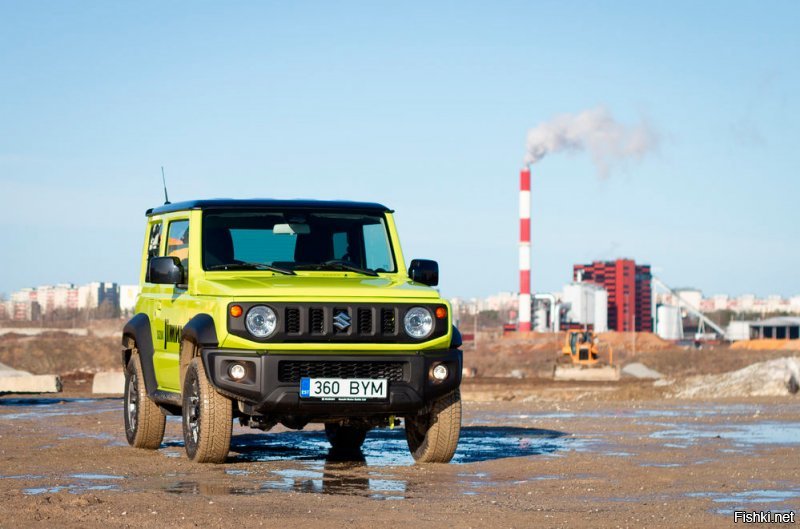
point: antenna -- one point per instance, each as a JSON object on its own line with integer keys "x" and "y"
{"x": 164, "y": 180}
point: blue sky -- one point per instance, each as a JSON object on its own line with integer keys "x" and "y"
{"x": 422, "y": 106}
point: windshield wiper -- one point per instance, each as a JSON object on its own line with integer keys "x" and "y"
{"x": 254, "y": 266}
{"x": 338, "y": 264}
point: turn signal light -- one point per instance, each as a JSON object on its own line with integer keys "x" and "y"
{"x": 236, "y": 311}
{"x": 441, "y": 313}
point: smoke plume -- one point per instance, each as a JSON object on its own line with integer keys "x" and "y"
{"x": 596, "y": 131}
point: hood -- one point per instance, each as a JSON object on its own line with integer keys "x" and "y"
{"x": 261, "y": 285}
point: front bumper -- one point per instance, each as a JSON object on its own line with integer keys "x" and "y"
{"x": 269, "y": 389}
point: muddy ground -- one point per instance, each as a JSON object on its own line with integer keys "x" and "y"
{"x": 544, "y": 455}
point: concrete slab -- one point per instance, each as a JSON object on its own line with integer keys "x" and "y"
{"x": 109, "y": 382}
{"x": 597, "y": 374}
{"x": 17, "y": 381}
{"x": 30, "y": 384}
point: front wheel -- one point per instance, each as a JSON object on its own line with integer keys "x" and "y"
{"x": 433, "y": 436}
{"x": 207, "y": 417}
{"x": 144, "y": 420}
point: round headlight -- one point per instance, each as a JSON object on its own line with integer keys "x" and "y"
{"x": 418, "y": 322}
{"x": 261, "y": 321}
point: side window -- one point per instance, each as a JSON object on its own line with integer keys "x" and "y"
{"x": 178, "y": 242}
{"x": 153, "y": 246}
{"x": 377, "y": 249}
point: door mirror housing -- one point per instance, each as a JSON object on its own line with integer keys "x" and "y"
{"x": 424, "y": 271}
{"x": 165, "y": 271}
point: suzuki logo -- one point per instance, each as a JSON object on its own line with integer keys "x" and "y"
{"x": 341, "y": 320}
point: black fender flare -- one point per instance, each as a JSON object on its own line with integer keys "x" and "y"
{"x": 455, "y": 341}
{"x": 201, "y": 331}
{"x": 138, "y": 330}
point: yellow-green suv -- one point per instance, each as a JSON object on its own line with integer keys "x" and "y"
{"x": 291, "y": 312}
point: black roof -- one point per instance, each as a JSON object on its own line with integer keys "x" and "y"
{"x": 255, "y": 203}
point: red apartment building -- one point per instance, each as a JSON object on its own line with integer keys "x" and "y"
{"x": 629, "y": 292}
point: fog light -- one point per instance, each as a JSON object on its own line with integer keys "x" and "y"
{"x": 237, "y": 371}
{"x": 440, "y": 372}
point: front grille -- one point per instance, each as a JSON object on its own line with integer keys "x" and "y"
{"x": 294, "y": 370}
{"x": 338, "y": 322}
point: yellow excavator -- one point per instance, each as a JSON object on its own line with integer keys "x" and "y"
{"x": 584, "y": 357}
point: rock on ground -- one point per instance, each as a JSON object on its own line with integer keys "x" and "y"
{"x": 763, "y": 379}
{"x": 639, "y": 370}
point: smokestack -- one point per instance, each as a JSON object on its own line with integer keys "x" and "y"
{"x": 524, "y": 250}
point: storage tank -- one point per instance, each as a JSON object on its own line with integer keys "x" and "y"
{"x": 588, "y": 305}
{"x": 669, "y": 322}
{"x": 600, "y": 310}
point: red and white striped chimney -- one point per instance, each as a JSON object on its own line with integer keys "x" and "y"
{"x": 524, "y": 250}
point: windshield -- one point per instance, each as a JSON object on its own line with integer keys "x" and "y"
{"x": 288, "y": 240}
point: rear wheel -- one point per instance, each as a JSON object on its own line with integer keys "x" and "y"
{"x": 207, "y": 417}
{"x": 144, "y": 420}
{"x": 433, "y": 436}
{"x": 345, "y": 438}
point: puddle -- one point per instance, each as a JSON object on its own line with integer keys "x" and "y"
{"x": 58, "y": 407}
{"x": 744, "y": 435}
{"x": 83, "y": 483}
{"x": 96, "y": 477}
{"x": 332, "y": 477}
{"x": 627, "y": 413}
{"x": 111, "y": 440}
{"x": 385, "y": 447}
{"x": 749, "y": 499}
{"x": 321, "y": 470}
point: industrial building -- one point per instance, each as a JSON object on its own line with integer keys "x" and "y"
{"x": 780, "y": 328}
{"x": 629, "y": 292}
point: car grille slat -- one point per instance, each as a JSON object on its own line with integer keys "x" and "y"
{"x": 294, "y": 370}
{"x": 293, "y": 321}
{"x": 388, "y": 323}
{"x": 365, "y": 321}
{"x": 316, "y": 319}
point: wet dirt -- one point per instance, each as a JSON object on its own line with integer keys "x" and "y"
{"x": 602, "y": 463}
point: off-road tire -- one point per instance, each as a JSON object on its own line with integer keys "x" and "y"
{"x": 433, "y": 436}
{"x": 345, "y": 438}
{"x": 207, "y": 417}
{"x": 144, "y": 420}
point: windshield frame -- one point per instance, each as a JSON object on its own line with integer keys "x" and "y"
{"x": 386, "y": 221}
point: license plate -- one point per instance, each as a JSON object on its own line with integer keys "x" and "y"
{"x": 343, "y": 388}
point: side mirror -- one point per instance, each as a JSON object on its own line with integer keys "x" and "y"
{"x": 165, "y": 271}
{"x": 424, "y": 271}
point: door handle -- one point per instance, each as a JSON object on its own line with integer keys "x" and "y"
{"x": 158, "y": 307}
